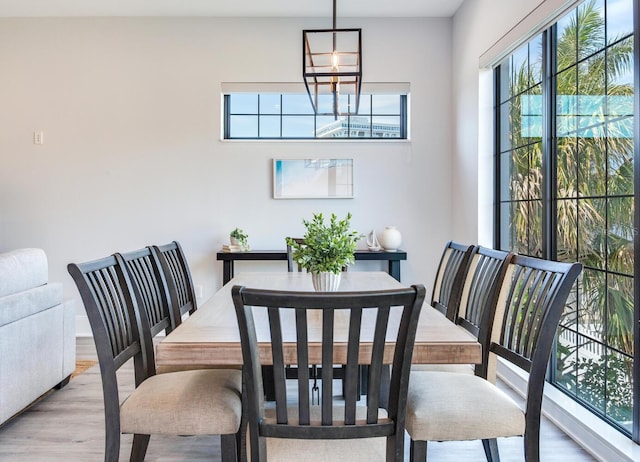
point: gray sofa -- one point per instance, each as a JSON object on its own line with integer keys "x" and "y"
{"x": 37, "y": 331}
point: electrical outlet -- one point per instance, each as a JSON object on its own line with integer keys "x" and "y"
{"x": 198, "y": 290}
{"x": 38, "y": 137}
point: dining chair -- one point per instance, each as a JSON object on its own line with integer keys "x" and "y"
{"x": 450, "y": 277}
{"x": 442, "y": 406}
{"x": 151, "y": 289}
{"x": 339, "y": 428}
{"x": 176, "y": 270}
{"x": 195, "y": 402}
{"x": 292, "y": 370}
{"x": 298, "y": 240}
{"x": 483, "y": 276}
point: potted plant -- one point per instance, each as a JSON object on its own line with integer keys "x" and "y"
{"x": 239, "y": 237}
{"x": 326, "y": 250}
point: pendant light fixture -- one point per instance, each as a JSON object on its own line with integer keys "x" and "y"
{"x": 332, "y": 69}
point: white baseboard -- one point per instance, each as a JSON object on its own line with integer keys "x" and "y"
{"x": 598, "y": 438}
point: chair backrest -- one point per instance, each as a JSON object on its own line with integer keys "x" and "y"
{"x": 479, "y": 295}
{"x": 290, "y": 314}
{"x": 531, "y": 301}
{"x": 452, "y": 270}
{"x": 120, "y": 330}
{"x": 176, "y": 270}
{"x": 151, "y": 289}
{"x": 298, "y": 240}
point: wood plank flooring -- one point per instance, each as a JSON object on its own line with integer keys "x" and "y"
{"x": 68, "y": 425}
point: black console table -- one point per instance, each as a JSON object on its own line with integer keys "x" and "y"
{"x": 228, "y": 258}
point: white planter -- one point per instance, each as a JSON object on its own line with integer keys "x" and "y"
{"x": 325, "y": 282}
{"x": 234, "y": 241}
{"x": 390, "y": 239}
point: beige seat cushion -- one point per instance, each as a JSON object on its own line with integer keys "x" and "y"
{"x": 457, "y": 368}
{"x": 444, "y": 406}
{"x": 197, "y": 402}
{"x": 352, "y": 450}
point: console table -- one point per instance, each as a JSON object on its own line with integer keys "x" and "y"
{"x": 228, "y": 258}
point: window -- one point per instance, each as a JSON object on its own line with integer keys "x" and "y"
{"x": 565, "y": 190}
{"x": 290, "y": 116}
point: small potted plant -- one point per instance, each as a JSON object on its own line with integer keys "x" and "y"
{"x": 239, "y": 237}
{"x": 326, "y": 250}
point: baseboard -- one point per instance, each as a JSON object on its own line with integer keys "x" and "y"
{"x": 598, "y": 438}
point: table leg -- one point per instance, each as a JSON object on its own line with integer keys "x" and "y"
{"x": 227, "y": 271}
{"x": 394, "y": 269}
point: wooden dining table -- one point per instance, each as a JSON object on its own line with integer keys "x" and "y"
{"x": 210, "y": 336}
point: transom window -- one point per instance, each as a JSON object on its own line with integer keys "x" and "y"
{"x": 290, "y": 116}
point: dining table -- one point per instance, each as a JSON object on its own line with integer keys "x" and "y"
{"x": 210, "y": 336}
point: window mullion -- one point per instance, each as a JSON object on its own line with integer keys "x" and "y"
{"x": 636, "y": 219}
{"x": 549, "y": 150}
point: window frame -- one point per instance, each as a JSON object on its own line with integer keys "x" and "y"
{"x": 550, "y": 201}
{"x": 351, "y": 120}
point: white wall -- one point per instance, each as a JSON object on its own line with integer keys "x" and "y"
{"x": 477, "y": 25}
{"x": 130, "y": 109}
{"x": 483, "y": 27}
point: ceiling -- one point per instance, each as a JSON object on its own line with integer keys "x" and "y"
{"x": 230, "y": 8}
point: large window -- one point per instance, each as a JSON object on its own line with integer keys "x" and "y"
{"x": 565, "y": 190}
{"x": 290, "y": 116}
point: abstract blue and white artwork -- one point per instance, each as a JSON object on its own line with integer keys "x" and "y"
{"x": 313, "y": 178}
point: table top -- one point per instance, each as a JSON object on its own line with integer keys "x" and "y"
{"x": 210, "y": 336}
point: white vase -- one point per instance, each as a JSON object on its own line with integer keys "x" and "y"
{"x": 325, "y": 282}
{"x": 390, "y": 239}
{"x": 234, "y": 241}
{"x": 372, "y": 241}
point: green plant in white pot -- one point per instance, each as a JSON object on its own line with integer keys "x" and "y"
{"x": 239, "y": 237}
{"x": 326, "y": 250}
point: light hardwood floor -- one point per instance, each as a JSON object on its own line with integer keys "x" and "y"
{"x": 67, "y": 425}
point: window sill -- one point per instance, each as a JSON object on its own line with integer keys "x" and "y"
{"x": 597, "y": 437}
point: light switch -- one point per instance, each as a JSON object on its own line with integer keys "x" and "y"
{"x": 38, "y": 137}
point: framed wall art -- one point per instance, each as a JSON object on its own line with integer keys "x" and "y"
{"x": 312, "y": 178}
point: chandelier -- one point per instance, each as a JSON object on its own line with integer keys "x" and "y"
{"x": 332, "y": 69}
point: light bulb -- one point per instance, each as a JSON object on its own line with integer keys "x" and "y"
{"x": 334, "y": 61}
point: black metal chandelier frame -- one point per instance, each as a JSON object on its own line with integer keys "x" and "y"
{"x": 336, "y": 71}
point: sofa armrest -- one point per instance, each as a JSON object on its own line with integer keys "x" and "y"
{"x": 23, "y": 304}
{"x": 22, "y": 269}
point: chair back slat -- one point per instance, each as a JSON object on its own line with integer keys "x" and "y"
{"x": 176, "y": 271}
{"x": 277, "y": 355}
{"x": 329, "y": 310}
{"x": 326, "y": 400}
{"x": 302, "y": 352}
{"x": 351, "y": 369}
{"x": 450, "y": 277}
{"x": 151, "y": 289}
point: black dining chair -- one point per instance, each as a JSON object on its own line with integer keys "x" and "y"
{"x": 442, "y": 406}
{"x": 450, "y": 278}
{"x": 484, "y": 274}
{"x": 290, "y": 261}
{"x": 151, "y": 290}
{"x": 196, "y": 402}
{"x": 339, "y": 428}
{"x": 176, "y": 270}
